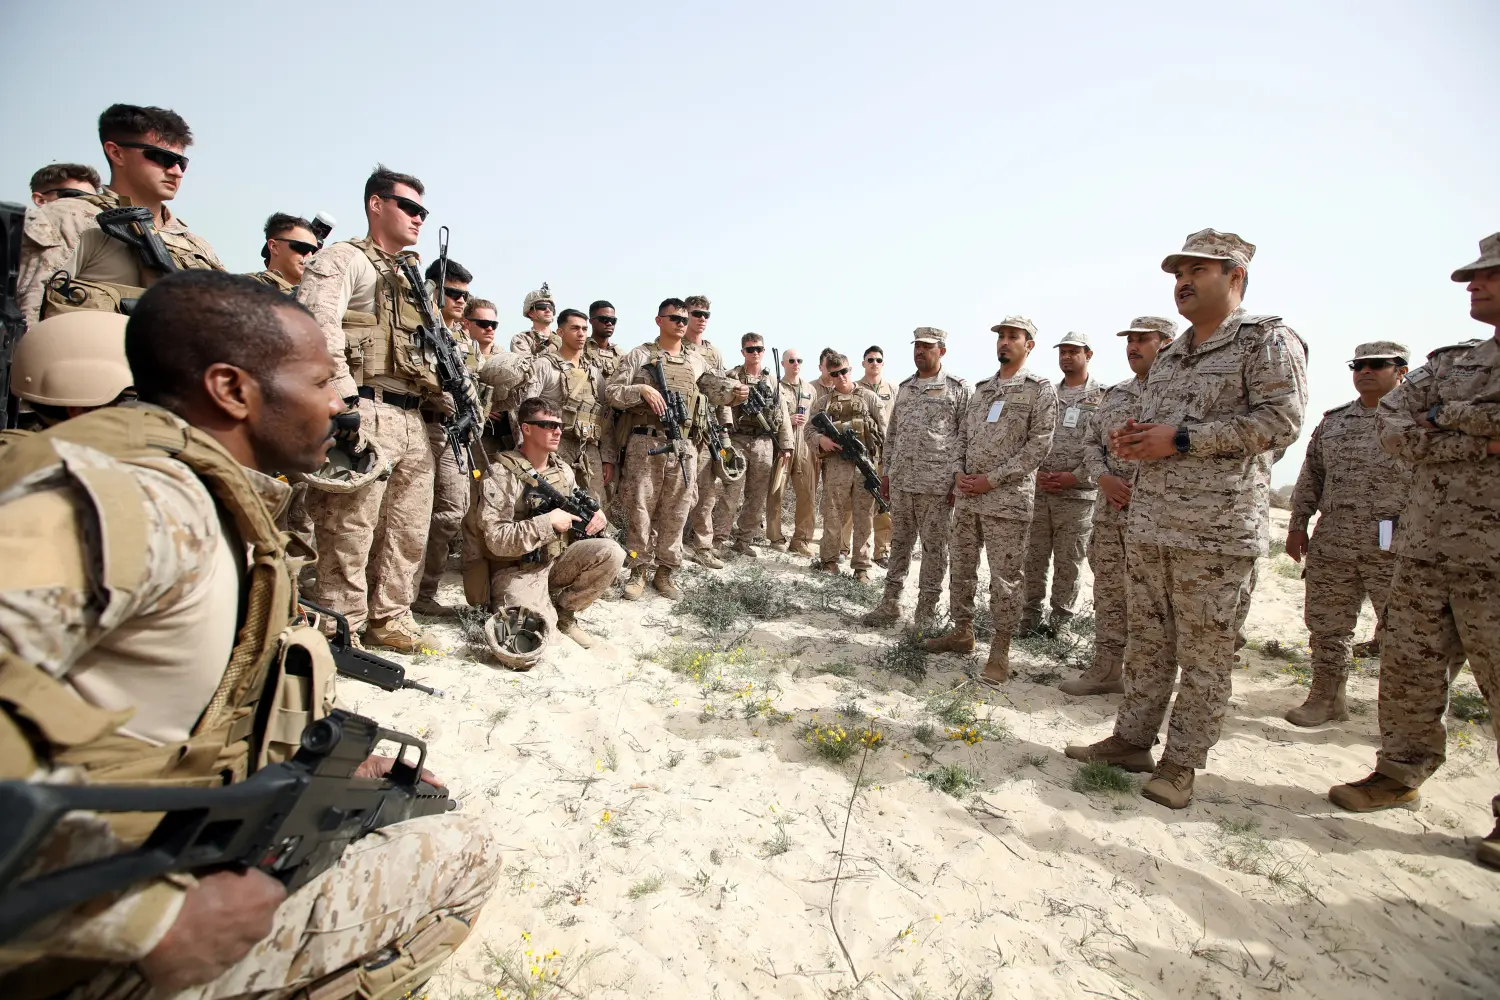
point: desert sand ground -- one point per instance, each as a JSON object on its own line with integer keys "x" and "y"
{"x": 672, "y": 829}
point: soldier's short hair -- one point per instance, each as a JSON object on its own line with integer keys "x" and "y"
{"x": 456, "y": 271}
{"x": 567, "y": 314}
{"x": 873, "y": 347}
{"x": 131, "y": 123}
{"x": 278, "y": 225}
{"x": 600, "y": 304}
{"x": 825, "y": 354}
{"x": 191, "y": 319}
{"x": 670, "y": 304}
{"x": 751, "y": 338}
{"x": 534, "y": 407}
{"x": 54, "y": 174}
{"x": 474, "y": 305}
{"x": 383, "y": 180}
{"x": 696, "y": 302}
{"x": 837, "y": 361}
{"x": 1229, "y": 265}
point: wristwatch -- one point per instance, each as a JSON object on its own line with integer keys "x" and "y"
{"x": 1432, "y": 414}
{"x": 1182, "y": 441}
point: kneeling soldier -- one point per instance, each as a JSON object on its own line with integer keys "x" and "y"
{"x": 521, "y": 548}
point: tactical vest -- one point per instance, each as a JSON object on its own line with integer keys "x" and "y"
{"x": 386, "y": 342}
{"x": 748, "y": 425}
{"x": 478, "y": 571}
{"x": 678, "y": 372}
{"x": 850, "y": 412}
{"x": 582, "y": 410}
{"x": 275, "y": 280}
{"x": 279, "y": 675}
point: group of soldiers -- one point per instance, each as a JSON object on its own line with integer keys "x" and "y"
{"x": 241, "y": 441}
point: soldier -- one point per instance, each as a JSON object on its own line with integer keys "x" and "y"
{"x": 656, "y": 497}
{"x": 874, "y": 380}
{"x": 371, "y": 540}
{"x": 539, "y": 308}
{"x": 845, "y": 499}
{"x": 802, "y": 470}
{"x": 765, "y": 440}
{"x": 1445, "y": 421}
{"x": 1065, "y": 494}
{"x": 1144, "y": 339}
{"x": 144, "y": 675}
{"x": 1007, "y": 430}
{"x": 573, "y": 387}
{"x": 481, "y": 322}
{"x": 709, "y": 522}
{"x": 63, "y": 180}
{"x": 525, "y": 548}
{"x": 143, "y": 146}
{"x": 1230, "y": 389}
{"x": 289, "y": 242}
{"x": 923, "y": 457}
{"x": 599, "y": 349}
{"x": 1361, "y": 492}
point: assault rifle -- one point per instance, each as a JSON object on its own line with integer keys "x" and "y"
{"x": 764, "y": 397}
{"x": 579, "y": 503}
{"x": 466, "y": 423}
{"x": 292, "y": 820}
{"x": 12, "y": 323}
{"x": 362, "y": 665}
{"x": 853, "y": 449}
{"x": 134, "y": 226}
{"x": 674, "y": 421}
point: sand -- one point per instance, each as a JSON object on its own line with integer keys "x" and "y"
{"x": 673, "y": 837}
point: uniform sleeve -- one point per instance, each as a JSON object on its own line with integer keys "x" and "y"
{"x": 1276, "y": 391}
{"x": 1477, "y": 419}
{"x": 819, "y": 405}
{"x": 1095, "y": 448}
{"x": 877, "y": 428}
{"x": 606, "y": 417}
{"x": 1039, "y": 433}
{"x": 43, "y": 252}
{"x": 786, "y": 435}
{"x": 1309, "y": 488}
{"x": 963, "y": 394}
{"x": 1402, "y": 436}
{"x": 326, "y": 288}
{"x": 718, "y": 388}
{"x": 621, "y": 390}
{"x": 503, "y": 536}
{"x": 892, "y": 447}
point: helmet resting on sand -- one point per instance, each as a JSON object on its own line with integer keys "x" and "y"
{"x": 518, "y": 637}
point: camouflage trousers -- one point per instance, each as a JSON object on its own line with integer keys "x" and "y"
{"x": 930, "y": 517}
{"x": 371, "y": 541}
{"x": 710, "y": 520}
{"x": 845, "y": 502}
{"x": 802, "y": 478}
{"x": 1335, "y": 590}
{"x": 656, "y": 502}
{"x": 587, "y": 464}
{"x": 1435, "y": 617}
{"x": 884, "y": 527}
{"x": 1060, "y": 528}
{"x": 1182, "y": 607}
{"x": 1107, "y": 560}
{"x": 1004, "y": 544}
{"x": 746, "y": 499}
{"x": 571, "y": 582}
{"x": 450, "y": 499}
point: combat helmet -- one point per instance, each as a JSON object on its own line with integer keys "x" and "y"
{"x": 345, "y": 472}
{"x": 731, "y": 462}
{"x": 517, "y": 636}
{"x": 543, "y": 294}
{"x": 72, "y": 359}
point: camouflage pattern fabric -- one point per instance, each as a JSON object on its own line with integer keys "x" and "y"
{"x": 1003, "y": 541}
{"x": 49, "y": 236}
{"x": 802, "y": 475}
{"x": 924, "y": 438}
{"x": 1107, "y": 560}
{"x": 930, "y": 517}
{"x": 745, "y": 499}
{"x": 1060, "y": 528}
{"x": 450, "y": 499}
{"x": 571, "y": 582}
{"x": 845, "y": 502}
{"x": 1009, "y": 448}
{"x": 656, "y": 503}
{"x": 1121, "y": 402}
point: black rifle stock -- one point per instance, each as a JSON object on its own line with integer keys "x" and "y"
{"x": 134, "y": 226}
{"x": 292, "y": 820}
{"x": 853, "y": 449}
{"x": 362, "y": 665}
{"x": 580, "y": 503}
{"x": 674, "y": 421}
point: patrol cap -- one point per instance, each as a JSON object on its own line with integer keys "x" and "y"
{"x": 1072, "y": 337}
{"x": 1150, "y": 324}
{"x": 1489, "y": 256}
{"x": 73, "y": 359}
{"x": 1210, "y": 244}
{"x": 929, "y": 335}
{"x": 1386, "y": 349}
{"x": 543, "y": 294}
{"x": 1017, "y": 323}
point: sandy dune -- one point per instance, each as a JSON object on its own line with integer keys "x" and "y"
{"x": 673, "y": 832}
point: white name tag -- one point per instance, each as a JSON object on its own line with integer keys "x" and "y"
{"x": 996, "y": 408}
{"x": 1070, "y": 416}
{"x": 1387, "y": 535}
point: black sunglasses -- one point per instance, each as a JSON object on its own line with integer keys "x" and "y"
{"x": 603, "y": 320}
{"x": 874, "y": 361}
{"x": 700, "y": 314}
{"x": 839, "y": 374}
{"x": 546, "y": 425}
{"x": 1374, "y": 364}
{"x": 456, "y": 294}
{"x": 298, "y": 246}
{"x": 406, "y": 205}
{"x": 794, "y": 361}
{"x": 544, "y": 306}
{"x": 756, "y": 349}
{"x": 164, "y": 158}
{"x": 486, "y": 324}
{"x": 679, "y": 320}
{"x": 66, "y": 192}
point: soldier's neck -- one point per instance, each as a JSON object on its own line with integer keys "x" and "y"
{"x": 1011, "y": 369}
{"x": 155, "y": 204}
{"x": 391, "y": 247}
{"x": 572, "y": 357}
{"x": 669, "y": 345}
{"x": 755, "y": 372}
{"x": 1074, "y": 381}
{"x": 1206, "y": 325}
{"x": 600, "y": 343}
{"x": 1370, "y": 400}
{"x": 538, "y": 327}
{"x": 537, "y": 456}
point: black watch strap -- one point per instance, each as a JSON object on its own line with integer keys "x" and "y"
{"x": 1182, "y": 441}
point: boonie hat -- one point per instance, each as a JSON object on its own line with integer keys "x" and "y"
{"x": 1150, "y": 324}
{"x": 1016, "y": 323}
{"x": 929, "y": 335}
{"x": 1210, "y": 244}
{"x": 1489, "y": 256}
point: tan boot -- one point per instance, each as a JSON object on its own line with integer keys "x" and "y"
{"x": 861, "y": 576}
{"x": 926, "y": 613}
{"x": 743, "y": 548}
{"x": 831, "y": 568}
{"x": 1378, "y": 791}
{"x": 663, "y": 584}
{"x": 1101, "y": 678}
{"x": 959, "y": 640}
{"x": 401, "y": 633}
{"x": 1369, "y": 649}
{"x": 1114, "y": 750}
{"x": 1325, "y": 703}
{"x": 430, "y": 606}
{"x": 887, "y": 612}
{"x": 997, "y": 664}
{"x": 1171, "y": 785}
{"x": 800, "y": 549}
{"x": 635, "y": 587}
{"x": 706, "y": 557}
{"x": 568, "y": 625}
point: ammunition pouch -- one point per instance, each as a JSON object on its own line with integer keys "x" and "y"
{"x": 65, "y": 293}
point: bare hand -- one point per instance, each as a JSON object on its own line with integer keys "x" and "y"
{"x": 741, "y": 393}
{"x": 653, "y": 399}
{"x": 222, "y": 918}
{"x": 826, "y": 443}
{"x": 609, "y": 473}
{"x": 378, "y": 766}
{"x": 1143, "y": 442}
{"x": 973, "y": 486}
{"x": 798, "y": 419}
{"x": 1493, "y": 448}
{"x": 1115, "y": 490}
{"x": 596, "y": 524}
{"x": 1296, "y": 545}
{"x": 561, "y": 521}
{"x": 1064, "y": 481}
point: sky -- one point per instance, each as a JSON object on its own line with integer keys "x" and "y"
{"x": 839, "y": 173}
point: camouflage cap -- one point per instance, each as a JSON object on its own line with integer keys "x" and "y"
{"x": 1150, "y": 324}
{"x": 543, "y": 294}
{"x": 1210, "y": 244}
{"x": 1489, "y": 256}
{"x": 1017, "y": 323}
{"x": 1381, "y": 349}
{"x": 1073, "y": 337}
{"x": 929, "y": 335}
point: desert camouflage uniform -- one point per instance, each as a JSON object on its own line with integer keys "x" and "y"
{"x": 1443, "y": 600}
{"x": 450, "y": 483}
{"x": 1008, "y": 449}
{"x": 710, "y": 522}
{"x": 845, "y": 498}
{"x": 886, "y": 393}
{"x": 801, "y": 475}
{"x": 583, "y": 432}
{"x": 271, "y": 276}
{"x": 49, "y": 236}
{"x": 748, "y": 499}
{"x": 1062, "y": 521}
{"x": 924, "y": 451}
{"x": 1106, "y": 549}
{"x": 656, "y": 500}
{"x": 1198, "y": 521}
{"x": 531, "y": 342}
{"x": 1356, "y": 485}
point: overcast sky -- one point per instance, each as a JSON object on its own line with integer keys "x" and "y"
{"x": 837, "y": 174}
